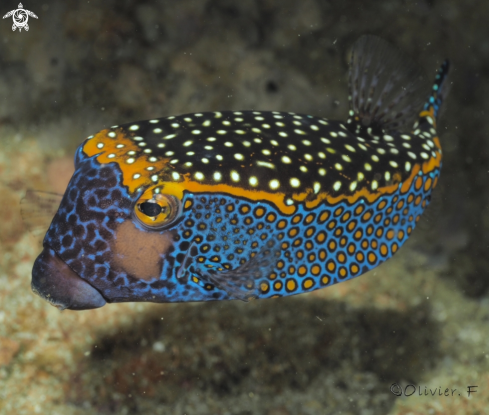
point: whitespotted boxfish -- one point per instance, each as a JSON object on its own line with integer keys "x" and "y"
{"x": 247, "y": 204}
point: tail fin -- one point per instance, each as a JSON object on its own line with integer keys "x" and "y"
{"x": 387, "y": 90}
{"x": 439, "y": 90}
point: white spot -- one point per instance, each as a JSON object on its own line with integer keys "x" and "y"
{"x": 238, "y": 156}
{"x": 208, "y": 147}
{"x": 111, "y": 156}
{"x": 274, "y": 184}
{"x": 375, "y": 184}
{"x": 190, "y": 153}
{"x": 321, "y": 155}
{"x": 314, "y": 127}
{"x": 325, "y": 140}
{"x": 131, "y": 153}
{"x": 368, "y": 167}
{"x": 234, "y": 176}
{"x": 393, "y": 164}
{"x": 360, "y": 176}
{"x": 153, "y": 159}
{"x": 333, "y": 134}
{"x": 350, "y": 148}
{"x": 346, "y": 158}
{"x": 169, "y": 153}
{"x": 388, "y": 138}
{"x": 295, "y": 182}
{"x": 168, "y": 137}
{"x": 175, "y": 175}
{"x": 154, "y": 121}
{"x": 240, "y": 132}
{"x": 303, "y": 169}
{"x": 322, "y": 172}
{"x": 317, "y": 187}
{"x": 364, "y": 148}
{"x": 221, "y": 132}
{"x": 206, "y": 123}
{"x": 265, "y": 164}
{"x": 282, "y": 134}
{"x": 424, "y": 155}
{"x": 353, "y": 186}
{"x": 217, "y": 176}
{"x": 174, "y": 161}
{"x": 286, "y": 160}
{"x": 299, "y": 132}
{"x": 175, "y": 125}
{"x": 119, "y": 146}
{"x": 412, "y": 155}
{"x": 259, "y": 118}
{"x": 219, "y": 157}
{"x": 253, "y": 181}
{"x": 256, "y": 130}
{"x": 257, "y": 140}
{"x": 274, "y": 143}
{"x": 405, "y": 137}
{"x": 381, "y": 150}
{"x": 142, "y": 144}
{"x": 130, "y": 160}
{"x": 228, "y": 144}
{"x": 375, "y": 157}
{"x": 211, "y": 139}
{"x": 292, "y": 147}
{"x": 112, "y": 134}
{"x": 265, "y": 125}
{"x": 188, "y": 164}
{"x": 100, "y": 145}
{"x": 408, "y": 166}
{"x": 205, "y": 160}
{"x": 217, "y": 114}
{"x": 246, "y": 143}
{"x": 289, "y": 202}
{"x": 337, "y": 186}
{"x": 394, "y": 150}
{"x": 157, "y": 130}
{"x": 134, "y": 127}
{"x": 187, "y": 143}
{"x": 308, "y": 157}
{"x": 154, "y": 177}
{"x": 147, "y": 150}
{"x": 196, "y": 131}
{"x": 338, "y": 166}
{"x": 187, "y": 119}
{"x": 306, "y": 142}
{"x": 136, "y": 176}
{"x": 199, "y": 176}
{"x": 266, "y": 152}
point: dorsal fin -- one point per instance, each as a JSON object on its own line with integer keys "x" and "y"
{"x": 387, "y": 90}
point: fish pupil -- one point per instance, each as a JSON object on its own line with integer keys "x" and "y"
{"x": 150, "y": 208}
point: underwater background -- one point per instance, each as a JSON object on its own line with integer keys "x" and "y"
{"x": 420, "y": 319}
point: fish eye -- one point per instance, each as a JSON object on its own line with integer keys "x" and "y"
{"x": 158, "y": 212}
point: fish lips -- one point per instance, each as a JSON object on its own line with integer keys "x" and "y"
{"x": 57, "y": 283}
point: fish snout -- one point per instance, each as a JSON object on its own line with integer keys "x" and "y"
{"x": 57, "y": 283}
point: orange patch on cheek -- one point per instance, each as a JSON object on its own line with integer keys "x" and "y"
{"x": 140, "y": 253}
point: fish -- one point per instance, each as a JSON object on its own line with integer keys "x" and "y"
{"x": 244, "y": 205}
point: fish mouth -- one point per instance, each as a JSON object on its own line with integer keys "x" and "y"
{"x": 57, "y": 283}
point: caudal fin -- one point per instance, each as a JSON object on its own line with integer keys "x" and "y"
{"x": 439, "y": 90}
{"x": 387, "y": 90}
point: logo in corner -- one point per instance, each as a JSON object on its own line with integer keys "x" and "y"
{"x": 20, "y": 17}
